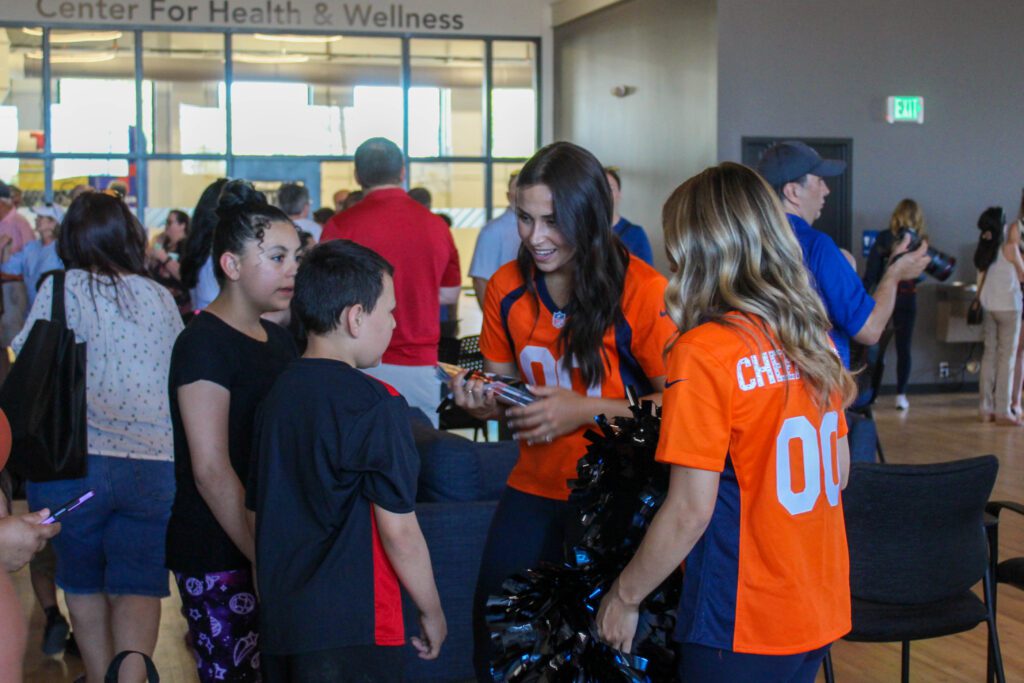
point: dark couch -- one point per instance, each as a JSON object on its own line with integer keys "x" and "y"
{"x": 460, "y": 481}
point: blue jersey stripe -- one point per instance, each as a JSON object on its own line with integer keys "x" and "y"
{"x": 506, "y": 306}
{"x": 630, "y": 371}
{"x": 707, "y": 607}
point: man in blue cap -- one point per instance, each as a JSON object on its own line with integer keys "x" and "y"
{"x": 797, "y": 173}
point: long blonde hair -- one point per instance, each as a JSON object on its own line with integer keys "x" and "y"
{"x": 732, "y": 249}
{"x": 907, "y": 214}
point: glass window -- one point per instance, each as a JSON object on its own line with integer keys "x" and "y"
{"x": 336, "y": 176}
{"x": 97, "y": 173}
{"x": 187, "y": 75}
{"x": 446, "y": 98}
{"x": 177, "y": 185}
{"x": 514, "y": 99}
{"x": 21, "y": 109}
{"x": 457, "y": 190}
{"x": 313, "y": 95}
{"x": 500, "y": 174}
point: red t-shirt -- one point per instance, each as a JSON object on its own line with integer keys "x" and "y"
{"x": 523, "y": 328}
{"x": 771, "y": 574}
{"x": 420, "y": 247}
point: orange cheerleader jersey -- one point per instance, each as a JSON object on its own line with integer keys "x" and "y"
{"x": 523, "y": 328}
{"x": 771, "y": 575}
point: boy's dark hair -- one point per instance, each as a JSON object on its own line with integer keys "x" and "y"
{"x": 333, "y": 276}
{"x": 421, "y": 195}
{"x": 378, "y": 162}
{"x": 243, "y": 215}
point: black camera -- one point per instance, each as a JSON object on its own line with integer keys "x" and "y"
{"x": 940, "y": 265}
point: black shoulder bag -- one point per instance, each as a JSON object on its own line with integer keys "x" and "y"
{"x": 975, "y": 312}
{"x": 44, "y": 399}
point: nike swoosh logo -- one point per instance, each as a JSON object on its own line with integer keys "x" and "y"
{"x": 675, "y": 381}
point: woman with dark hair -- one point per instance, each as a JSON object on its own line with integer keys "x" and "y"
{"x": 1000, "y": 270}
{"x": 222, "y": 366}
{"x": 579, "y": 320}
{"x": 163, "y": 260}
{"x": 196, "y": 260}
{"x": 110, "y": 554}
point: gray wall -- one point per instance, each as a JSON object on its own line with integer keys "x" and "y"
{"x": 823, "y": 68}
{"x": 665, "y": 131}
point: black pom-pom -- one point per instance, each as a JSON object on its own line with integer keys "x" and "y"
{"x": 543, "y": 623}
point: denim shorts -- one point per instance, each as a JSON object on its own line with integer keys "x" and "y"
{"x": 113, "y": 543}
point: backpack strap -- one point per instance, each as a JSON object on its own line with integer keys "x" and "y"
{"x": 115, "y": 667}
{"x": 57, "y": 313}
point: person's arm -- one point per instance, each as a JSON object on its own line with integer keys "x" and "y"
{"x": 559, "y": 411}
{"x": 24, "y": 536}
{"x": 480, "y": 289}
{"x": 844, "y": 462}
{"x": 450, "y": 295}
{"x": 1011, "y": 250}
{"x": 676, "y": 528}
{"x": 406, "y": 548}
{"x": 204, "y": 413}
{"x": 903, "y": 265}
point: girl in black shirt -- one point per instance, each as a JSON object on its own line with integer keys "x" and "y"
{"x": 222, "y": 366}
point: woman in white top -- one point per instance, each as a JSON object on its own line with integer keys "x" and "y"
{"x": 110, "y": 552}
{"x": 1001, "y": 298}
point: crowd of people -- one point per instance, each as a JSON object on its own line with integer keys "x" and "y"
{"x": 262, "y": 453}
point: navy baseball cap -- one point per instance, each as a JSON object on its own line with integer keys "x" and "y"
{"x": 788, "y": 161}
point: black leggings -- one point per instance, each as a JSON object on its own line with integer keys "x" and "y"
{"x": 903, "y": 316}
{"x": 526, "y": 529}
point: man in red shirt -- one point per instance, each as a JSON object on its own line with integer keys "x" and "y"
{"x": 420, "y": 247}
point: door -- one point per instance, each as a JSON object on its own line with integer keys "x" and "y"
{"x": 837, "y": 217}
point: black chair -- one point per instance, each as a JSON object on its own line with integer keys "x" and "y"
{"x": 869, "y": 382}
{"x": 1009, "y": 571}
{"x": 917, "y": 545}
{"x": 467, "y": 356}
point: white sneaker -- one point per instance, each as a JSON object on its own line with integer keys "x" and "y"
{"x": 901, "y": 402}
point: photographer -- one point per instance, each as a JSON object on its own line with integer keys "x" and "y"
{"x": 907, "y": 214}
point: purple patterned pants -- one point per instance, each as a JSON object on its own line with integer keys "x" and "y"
{"x": 223, "y": 624}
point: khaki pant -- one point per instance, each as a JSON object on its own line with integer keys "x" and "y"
{"x": 997, "y": 363}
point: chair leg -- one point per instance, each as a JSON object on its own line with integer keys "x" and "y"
{"x": 905, "y": 663}
{"x": 878, "y": 447}
{"x": 830, "y": 674}
{"x": 995, "y": 655}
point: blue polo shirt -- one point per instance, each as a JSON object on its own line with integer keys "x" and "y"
{"x": 635, "y": 239}
{"x": 842, "y": 292}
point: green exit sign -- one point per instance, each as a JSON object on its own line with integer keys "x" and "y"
{"x": 905, "y": 109}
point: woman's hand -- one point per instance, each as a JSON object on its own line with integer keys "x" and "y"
{"x": 556, "y": 412}
{"x": 473, "y": 396}
{"x": 617, "y": 620}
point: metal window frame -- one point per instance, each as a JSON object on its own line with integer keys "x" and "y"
{"x": 141, "y": 157}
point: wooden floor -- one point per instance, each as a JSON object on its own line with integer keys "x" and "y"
{"x": 936, "y": 428}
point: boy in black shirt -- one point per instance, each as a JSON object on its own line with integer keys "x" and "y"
{"x": 333, "y": 486}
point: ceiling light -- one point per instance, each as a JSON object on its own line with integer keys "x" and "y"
{"x": 74, "y": 57}
{"x": 295, "y": 38}
{"x": 75, "y": 36}
{"x": 250, "y": 58}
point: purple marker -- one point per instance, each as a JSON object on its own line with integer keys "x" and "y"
{"x": 68, "y": 507}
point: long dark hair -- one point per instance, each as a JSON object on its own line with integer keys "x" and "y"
{"x": 990, "y": 237}
{"x": 100, "y": 234}
{"x": 243, "y": 215}
{"x": 199, "y": 242}
{"x": 583, "y": 213}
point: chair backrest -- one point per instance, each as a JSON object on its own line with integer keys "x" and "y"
{"x": 916, "y": 532}
{"x": 470, "y": 356}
